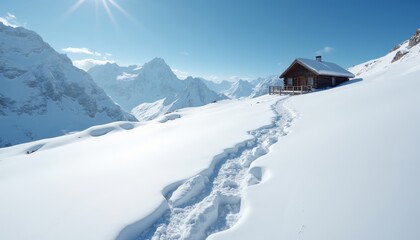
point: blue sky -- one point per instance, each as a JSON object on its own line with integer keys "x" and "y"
{"x": 219, "y": 39}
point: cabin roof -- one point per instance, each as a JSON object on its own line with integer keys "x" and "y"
{"x": 321, "y": 68}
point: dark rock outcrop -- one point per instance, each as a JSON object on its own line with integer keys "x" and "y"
{"x": 414, "y": 40}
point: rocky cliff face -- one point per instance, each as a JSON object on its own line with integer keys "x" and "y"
{"x": 42, "y": 94}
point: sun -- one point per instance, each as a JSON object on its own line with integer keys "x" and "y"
{"x": 106, "y": 4}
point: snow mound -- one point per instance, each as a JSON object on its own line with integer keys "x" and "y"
{"x": 169, "y": 117}
{"x": 189, "y": 189}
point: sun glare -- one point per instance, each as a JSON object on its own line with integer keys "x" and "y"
{"x": 106, "y": 5}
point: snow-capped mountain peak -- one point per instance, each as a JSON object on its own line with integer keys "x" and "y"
{"x": 158, "y": 70}
{"x": 37, "y": 84}
{"x": 240, "y": 88}
{"x": 194, "y": 94}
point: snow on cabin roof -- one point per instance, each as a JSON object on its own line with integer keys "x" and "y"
{"x": 323, "y": 68}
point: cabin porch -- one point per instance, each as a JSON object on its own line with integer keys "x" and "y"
{"x": 289, "y": 90}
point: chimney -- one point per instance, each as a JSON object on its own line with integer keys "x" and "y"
{"x": 318, "y": 58}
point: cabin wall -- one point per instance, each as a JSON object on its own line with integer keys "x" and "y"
{"x": 323, "y": 82}
{"x": 299, "y": 74}
{"x": 327, "y": 81}
{"x": 340, "y": 80}
{"x": 298, "y": 70}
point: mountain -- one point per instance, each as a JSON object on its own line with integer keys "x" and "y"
{"x": 262, "y": 84}
{"x": 130, "y": 86}
{"x": 240, "y": 88}
{"x": 195, "y": 94}
{"x": 152, "y": 89}
{"x": 218, "y": 87}
{"x": 42, "y": 94}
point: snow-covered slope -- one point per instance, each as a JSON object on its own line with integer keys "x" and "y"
{"x": 42, "y": 94}
{"x": 262, "y": 84}
{"x": 240, "y": 88}
{"x": 403, "y": 52}
{"x": 195, "y": 94}
{"x": 349, "y": 169}
{"x": 95, "y": 184}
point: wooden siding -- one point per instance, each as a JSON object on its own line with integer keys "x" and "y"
{"x": 327, "y": 81}
{"x": 298, "y": 70}
{"x": 299, "y": 74}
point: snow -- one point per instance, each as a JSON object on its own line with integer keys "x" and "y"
{"x": 350, "y": 166}
{"x": 149, "y": 111}
{"x": 126, "y": 77}
{"x": 190, "y": 188}
{"x": 325, "y": 68}
{"x": 210, "y": 201}
{"x": 92, "y": 184}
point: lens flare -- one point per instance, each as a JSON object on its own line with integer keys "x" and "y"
{"x": 107, "y": 5}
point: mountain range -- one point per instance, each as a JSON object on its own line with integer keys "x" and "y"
{"x": 151, "y": 90}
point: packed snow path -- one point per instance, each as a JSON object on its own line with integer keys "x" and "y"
{"x": 210, "y": 201}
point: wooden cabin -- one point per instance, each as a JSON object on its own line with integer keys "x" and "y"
{"x": 303, "y": 75}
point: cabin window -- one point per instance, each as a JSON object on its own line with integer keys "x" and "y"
{"x": 310, "y": 81}
{"x": 290, "y": 81}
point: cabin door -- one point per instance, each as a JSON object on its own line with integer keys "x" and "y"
{"x": 301, "y": 81}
